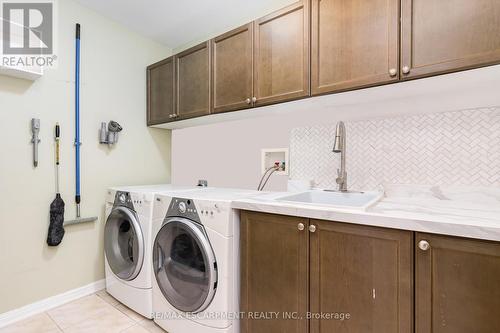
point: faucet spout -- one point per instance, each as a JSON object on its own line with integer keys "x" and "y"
{"x": 339, "y": 146}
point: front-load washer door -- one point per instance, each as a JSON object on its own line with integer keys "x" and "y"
{"x": 184, "y": 265}
{"x": 124, "y": 243}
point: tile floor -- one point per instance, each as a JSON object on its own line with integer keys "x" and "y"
{"x": 98, "y": 313}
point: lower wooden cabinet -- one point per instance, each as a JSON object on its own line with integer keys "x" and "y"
{"x": 457, "y": 285}
{"x": 301, "y": 275}
{"x": 274, "y": 272}
{"x": 360, "y": 277}
{"x": 365, "y": 273}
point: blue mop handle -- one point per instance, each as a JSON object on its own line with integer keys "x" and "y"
{"x": 77, "y": 114}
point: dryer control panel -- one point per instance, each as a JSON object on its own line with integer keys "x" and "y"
{"x": 123, "y": 199}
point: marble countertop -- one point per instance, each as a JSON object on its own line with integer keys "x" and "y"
{"x": 471, "y": 212}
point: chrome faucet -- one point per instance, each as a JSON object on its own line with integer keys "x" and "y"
{"x": 339, "y": 147}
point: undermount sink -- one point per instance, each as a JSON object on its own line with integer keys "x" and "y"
{"x": 352, "y": 200}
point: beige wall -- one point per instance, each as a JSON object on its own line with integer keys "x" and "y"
{"x": 228, "y": 153}
{"x": 113, "y": 87}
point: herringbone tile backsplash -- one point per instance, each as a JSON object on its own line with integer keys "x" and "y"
{"x": 451, "y": 148}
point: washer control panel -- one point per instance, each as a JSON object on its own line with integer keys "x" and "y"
{"x": 183, "y": 208}
{"x": 209, "y": 209}
{"x": 214, "y": 210}
{"x": 218, "y": 216}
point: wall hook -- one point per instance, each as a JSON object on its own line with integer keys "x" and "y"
{"x": 35, "y": 130}
{"x": 109, "y": 132}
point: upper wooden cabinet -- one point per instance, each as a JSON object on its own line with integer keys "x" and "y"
{"x": 362, "y": 271}
{"x": 354, "y": 43}
{"x": 232, "y": 79}
{"x": 449, "y": 35}
{"x": 457, "y": 285}
{"x": 281, "y": 60}
{"x": 193, "y": 73}
{"x": 274, "y": 272}
{"x": 314, "y": 47}
{"x": 160, "y": 96}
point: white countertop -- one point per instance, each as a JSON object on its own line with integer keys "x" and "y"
{"x": 455, "y": 211}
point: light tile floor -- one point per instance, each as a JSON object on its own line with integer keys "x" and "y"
{"x": 98, "y": 313}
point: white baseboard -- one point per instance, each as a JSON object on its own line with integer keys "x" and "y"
{"x": 12, "y": 316}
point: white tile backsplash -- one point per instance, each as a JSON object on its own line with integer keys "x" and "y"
{"x": 450, "y": 148}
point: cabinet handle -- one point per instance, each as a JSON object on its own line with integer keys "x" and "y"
{"x": 406, "y": 70}
{"x": 312, "y": 228}
{"x": 248, "y": 100}
{"x": 300, "y": 226}
{"x": 254, "y": 99}
{"x": 393, "y": 72}
{"x": 424, "y": 245}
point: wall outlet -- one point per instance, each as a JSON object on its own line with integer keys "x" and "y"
{"x": 275, "y": 155}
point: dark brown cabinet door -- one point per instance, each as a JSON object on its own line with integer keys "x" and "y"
{"x": 457, "y": 285}
{"x": 354, "y": 44}
{"x": 449, "y": 35}
{"x": 160, "y": 92}
{"x": 274, "y": 272}
{"x": 193, "y": 81}
{"x": 232, "y": 78}
{"x": 281, "y": 60}
{"x": 365, "y": 272}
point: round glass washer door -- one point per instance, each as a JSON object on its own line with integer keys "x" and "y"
{"x": 124, "y": 243}
{"x": 184, "y": 265}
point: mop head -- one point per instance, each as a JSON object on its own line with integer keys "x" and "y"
{"x": 56, "y": 228}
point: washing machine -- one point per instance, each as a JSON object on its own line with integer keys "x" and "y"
{"x": 196, "y": 261}
{"x": 127, "y": 244}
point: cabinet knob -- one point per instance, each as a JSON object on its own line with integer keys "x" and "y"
{"x": 312, "y": 228}
{"x": 393, "y": 72}
{"x": 406, "y": 70}
{"x": 424, "y": 245}
{"x": 248, "y": 100}
{"x": 254, "y": 99}
{"x": 300, "y": 226}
